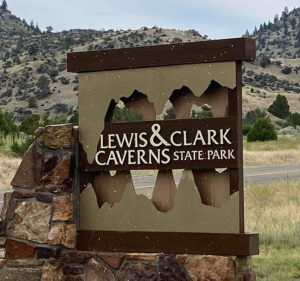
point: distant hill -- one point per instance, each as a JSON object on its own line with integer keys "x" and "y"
{"x": 26, "y": 54}
{"x": 33, "y": 77}
{"x": 281, "y": 38}
{"x": 277, "y": 69}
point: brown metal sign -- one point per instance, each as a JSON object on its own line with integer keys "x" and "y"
{"x": 173, "y": 144}
{"x": 203, "y": 213}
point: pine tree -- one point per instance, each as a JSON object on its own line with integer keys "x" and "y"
{"x": 4, "y": 6}
{"x": 298, "y": 36}
{"x": 49, "y": 29}
{"x": 32, "y": 24}
{"x": 37, "y": 28}
{"x": 280, "y": 107}
{"x": 285, "y": 14}
{"x": 293, "y": 22}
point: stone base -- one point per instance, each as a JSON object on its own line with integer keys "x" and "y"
{"x": 88, "y": 266}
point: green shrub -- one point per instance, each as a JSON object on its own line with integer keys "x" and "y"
{"x": 293, "y": 119}
{"x": 125, "y": 115}
{"x": 19, "y": 149}
{"x": 74, "y": 118}
{"x": 253, "y": 115}
{"x": 7, "y": 126}
{"x": 43, "y": 87}
{"x": 30, "y": 124}
{"x": 204, "y": 113}
{"x": 32, "y": 102}
{"x": 53, "y": 73}
{"x": 262, "y": 130}
{"x": 280, "y": 107}
{"x": 246, "y": 129}
{"x": 170, "y": 114}
{"x": 265, "y": 61}
{"x": 286, "y": 70}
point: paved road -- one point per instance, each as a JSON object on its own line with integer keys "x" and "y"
{"x": 252, "y": 175}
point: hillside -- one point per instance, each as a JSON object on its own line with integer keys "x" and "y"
{"x": 277, "y": 69}
{"x": 280, "y": 38}
{"x": 33, "y": 77}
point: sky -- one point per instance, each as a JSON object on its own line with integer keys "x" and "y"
{"x": 215, "y": 18}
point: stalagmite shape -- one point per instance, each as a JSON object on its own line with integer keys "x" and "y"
{"x": 214, "y": 187}
{"x": 163, "y": 195}
{"x": 137, "y": 212}
{"x": 109, "y": 188}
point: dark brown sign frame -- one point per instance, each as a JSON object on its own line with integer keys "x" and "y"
{"x": 238, "y": 50}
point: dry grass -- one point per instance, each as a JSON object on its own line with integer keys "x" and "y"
{"x": 264, "y": 158}
{"x": 286, "y": 150}
{"x": 8, "y": 167}
{"x": 274, "y": 212}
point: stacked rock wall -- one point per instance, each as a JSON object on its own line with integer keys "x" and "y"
{"x": 38, "y": 229}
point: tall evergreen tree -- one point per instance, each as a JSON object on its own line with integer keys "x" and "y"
{"x": 4, "y": 5}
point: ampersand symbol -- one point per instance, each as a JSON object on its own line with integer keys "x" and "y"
{"x": 155, "y": 134}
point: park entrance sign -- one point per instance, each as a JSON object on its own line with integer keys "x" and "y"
{"x": 204, "y": 212}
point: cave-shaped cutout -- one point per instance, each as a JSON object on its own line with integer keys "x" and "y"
{"x": 110, "y": 188}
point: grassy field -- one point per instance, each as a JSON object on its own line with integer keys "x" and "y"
{"x": 286, "y": 150}
{"x": 274, "y": 211}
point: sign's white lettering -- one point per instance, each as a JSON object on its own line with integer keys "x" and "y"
{"x": 146, "y": 148}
